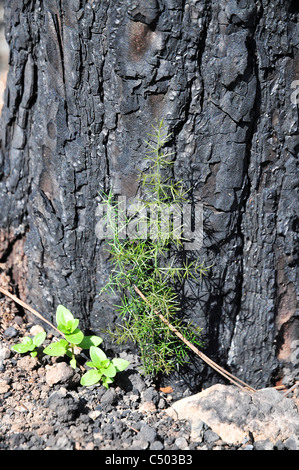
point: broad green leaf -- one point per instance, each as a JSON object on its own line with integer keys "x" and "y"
{"x": 109, "y": 371}
{"x": 39, "y": 338}
{"x": 57, "y": 349}
{"x": 89, "y": 341}
{"x": 63, "y": 315}
{"x": 97, "y": 356}
{"x": 91, "y": 377}
{"x": 120, "y": 364}
{"x": 76, "y": 337}
{"x": 20, "y": 348}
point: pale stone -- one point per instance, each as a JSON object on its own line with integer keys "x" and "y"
{"x": 232, "y": 413}
{"x": 147, "y": 406}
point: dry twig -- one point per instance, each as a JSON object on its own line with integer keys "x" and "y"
{"x": 27, "y": 307}
{"x": 291, "y": 389}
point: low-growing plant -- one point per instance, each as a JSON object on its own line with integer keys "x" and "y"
{"x": 103, "y": 368}
{"x": 29, "y": 344}
{"x": 73, "y": 337}
{"x": 157, "y": 265}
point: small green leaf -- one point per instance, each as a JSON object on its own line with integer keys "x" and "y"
{"x": 75, "y": 324}
{"x": 109, "y": 371}
{"x": 120, "y": 364}
{"x": 91, "y": 377}
{"x": 89, "y": 341}
{"x": 20, "y": 348}
{"x": 97, "y": 356}
{"x": 27, "y": 340}
{"x": 63, "y": 315}
{"x": 105, "y": 364}
{"x": 69, "y": 327}
{"x": 72, "y": 325}
{"x": 33, "y": 354}
{"x": 62, "y": 328}
{"x": 76, "y": 337}
{"x": 90, "y": 364}
{"x": 106, "y": 381}
{"x": 73, "y": 363}
{"x": 39, "y": 338}
{"x": 57, "y": 349}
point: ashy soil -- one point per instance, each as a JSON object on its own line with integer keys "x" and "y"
{"x": 44, "y": 407}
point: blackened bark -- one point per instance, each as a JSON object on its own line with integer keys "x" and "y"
{"x": 87, "y": 79}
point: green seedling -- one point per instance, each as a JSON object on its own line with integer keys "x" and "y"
{"x": 158, "y": 265}
{"x": 73, "y": 337}
{"x": 29, "y": 344}
{"x": 103, "y": 368}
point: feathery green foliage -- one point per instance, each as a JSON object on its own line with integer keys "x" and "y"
{"x": 157, "y": 265}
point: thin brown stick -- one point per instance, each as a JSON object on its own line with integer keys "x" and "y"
{"x": 291, "y": 389}
{"x": 279, "y": 387}
{"x": 205, "y": 358}
{"x": 27, "y": 307}
{"x": 131, "y": 427}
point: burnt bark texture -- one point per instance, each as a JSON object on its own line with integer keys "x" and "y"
{"x": 86, "y": 81}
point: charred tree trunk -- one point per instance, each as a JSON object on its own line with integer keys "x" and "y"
{"x": 86, "y": 81}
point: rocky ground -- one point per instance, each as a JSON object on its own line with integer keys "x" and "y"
{"x": 43, "y": 406}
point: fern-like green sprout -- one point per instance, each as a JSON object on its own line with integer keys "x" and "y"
{"x": 153, "y": 264}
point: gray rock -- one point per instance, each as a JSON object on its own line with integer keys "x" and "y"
{"x": 137, "y": 382}
{"x": 263, "y": 445}
{"x": 147, "y": 433}
{"x": 109, "y": 397}
{"x": 211, "y": 437}
{"x": 63, "y": 405}
{"x": 291, "y": 444}
{"x": 62, "y": 373}
{"x": 5, "y": 353}
{"x": 233, "y": 413}
{"x": 11, "y": 332}
{"x": 140, "y": 444}
{"x": 181, "y": 443}
{"x": 156, "y": 445}
{"x": 150, "y": 394}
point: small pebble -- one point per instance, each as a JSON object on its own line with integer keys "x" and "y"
{"x": 11, "y": 332}
{"x": 157, "y": 445}
{"x": 181, "y": 443}
{"x": 147, "y": 406}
